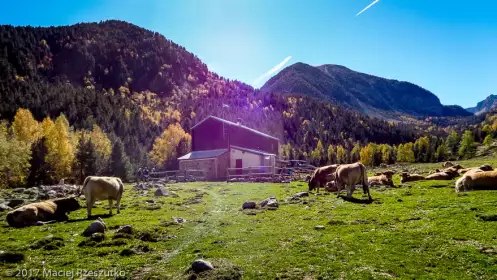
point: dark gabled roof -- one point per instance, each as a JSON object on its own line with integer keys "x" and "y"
{"x": 257, "y": 152}
{"x": 235, "y": 124}
{"x": 204, "y": 154}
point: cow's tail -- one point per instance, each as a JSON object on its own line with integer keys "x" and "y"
{"x": 364, "y": 176}
{"x": 84, "y": 186}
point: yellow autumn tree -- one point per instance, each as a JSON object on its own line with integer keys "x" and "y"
{"x": 367, "y": 155}
{"x": 167, "y": 145}
{"x": 14, "y": 158}
{"x": 60, "y": 150}
{"x": 103, "y": 147}
{"x": 25, "y": 127}
{"x": 341, "y": 154}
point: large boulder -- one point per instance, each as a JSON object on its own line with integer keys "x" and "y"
{"x": 249, "y": 205}
{"x": 161, "y": 191}
{"x": 96, "y": 226}
{"x": 270, "y": 202}
{"x": 200, "y": 265}
{"x": 125, "y": 229}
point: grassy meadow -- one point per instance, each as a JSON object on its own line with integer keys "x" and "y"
{"x": 419, "y": 230}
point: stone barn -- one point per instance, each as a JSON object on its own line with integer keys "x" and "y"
{"x": 218, "y": 144}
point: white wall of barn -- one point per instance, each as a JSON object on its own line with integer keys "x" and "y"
{"x": 248, "y": 159}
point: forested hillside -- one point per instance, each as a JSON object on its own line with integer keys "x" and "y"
{"x": 134, "y": 84}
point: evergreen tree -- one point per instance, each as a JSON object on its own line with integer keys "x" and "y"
{"x": 488, "y": 140}
{"x": 453, "y": 142}
{"x": 86, "y": 158}
{"x": 119, "y": 161}
{"x": 40, "y": 171}
{"x": 467, "y": 147}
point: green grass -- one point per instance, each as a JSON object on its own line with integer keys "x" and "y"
{"x": 423, "y": 230}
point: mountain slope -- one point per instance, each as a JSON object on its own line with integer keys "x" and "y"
{"x": 134, "y": 83}
{"x": 484, "y": 106}
{"x": 368, "y": 94}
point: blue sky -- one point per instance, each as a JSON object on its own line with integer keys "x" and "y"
{"x": 447, "y": 47}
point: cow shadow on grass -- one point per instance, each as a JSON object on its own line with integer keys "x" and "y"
{"x": 92, "y": 217}
{"x": 356, "y": 200}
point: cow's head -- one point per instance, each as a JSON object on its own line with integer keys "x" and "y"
{"x": 67, "y": 204}
{"x": 312, "y": 183}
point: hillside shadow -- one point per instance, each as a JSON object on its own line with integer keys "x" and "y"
{"x": 356, "y": 200}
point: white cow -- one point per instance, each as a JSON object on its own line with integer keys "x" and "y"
{"x": 100, "y": 188}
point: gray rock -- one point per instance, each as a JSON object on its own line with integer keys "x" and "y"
{"x": 301, "y": 194}
{"x": 15, "y": 202}
{"x": 161, "y": 192}
{"x": 125, "y": 229}
{"x": 270, "y": 202}
{"x": 173, "y": 194}
{"x": 97, "y": 236}
{"x": 4, "y": 207}
{"x": 42, "y": 196}
{"x": 96, "y": 226}
{"x": 319, "y": 227}
{"x": 200, "y": 265}
{"x": 52, "y": 193}
{"x": 248, "y": 205}
{"x": 31, "y": 191}
{"x": 18, "y": 190}
{"x": 158, "y": 185}
{"x": 179, "y": 220}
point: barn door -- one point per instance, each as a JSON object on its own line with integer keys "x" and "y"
{"x": 239, "y": 164}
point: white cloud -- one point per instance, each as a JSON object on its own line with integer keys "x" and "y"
{"x": 369, "y": 6}
{"x": 271, "y": 71}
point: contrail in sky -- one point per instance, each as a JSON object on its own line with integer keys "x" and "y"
{"x": 271, "y": 71}
{"x": 369, "y": 6}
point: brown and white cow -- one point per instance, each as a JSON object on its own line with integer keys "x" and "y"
{"x": 42, "y": 212}
{"x": 349, "y": 175}
{"x": 321, "y": 176}
{"x": 101, "y": 188}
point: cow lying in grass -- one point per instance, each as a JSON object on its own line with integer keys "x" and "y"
{"x": 483, "y": 180}
{"x": 446, "y": 174}
{"x": 40, "y": 213}
{"x": 321, "y": 176}
{"x": 484, "y": 167}
{"x": 349, "y": 175}
{"x": 380, "y": 180}
{"x": 101, "y": 188}
{"x": 405, "y": 177}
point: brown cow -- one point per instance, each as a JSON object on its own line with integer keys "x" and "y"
{"x": 321, "y": 176}
{"x": 485, "y": 180}
{"x": 405, "y": 177}
{"x": 388, "y": 173}
{"x": 42, "y": 212}
{"x": 484, "y": 167}
{"x": 380, "y": 180}
{"x": 441, "y": 176}
{"x": 100, "y": 188}
{"x": 350, "y": 175}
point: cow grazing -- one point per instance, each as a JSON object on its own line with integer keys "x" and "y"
{"x": 351, "y": 175}
{"x": 380, "y": 180}
{"x": 101, "y": 188}
{"x": 42, "y": 212}
{"x": 321, "y": 176}
{"x": 484, "y": 180}
{"x": 405, "y": 177}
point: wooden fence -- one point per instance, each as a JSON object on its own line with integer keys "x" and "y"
{"x": 267, "y": 173}
{"x": 179, "y": 175}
